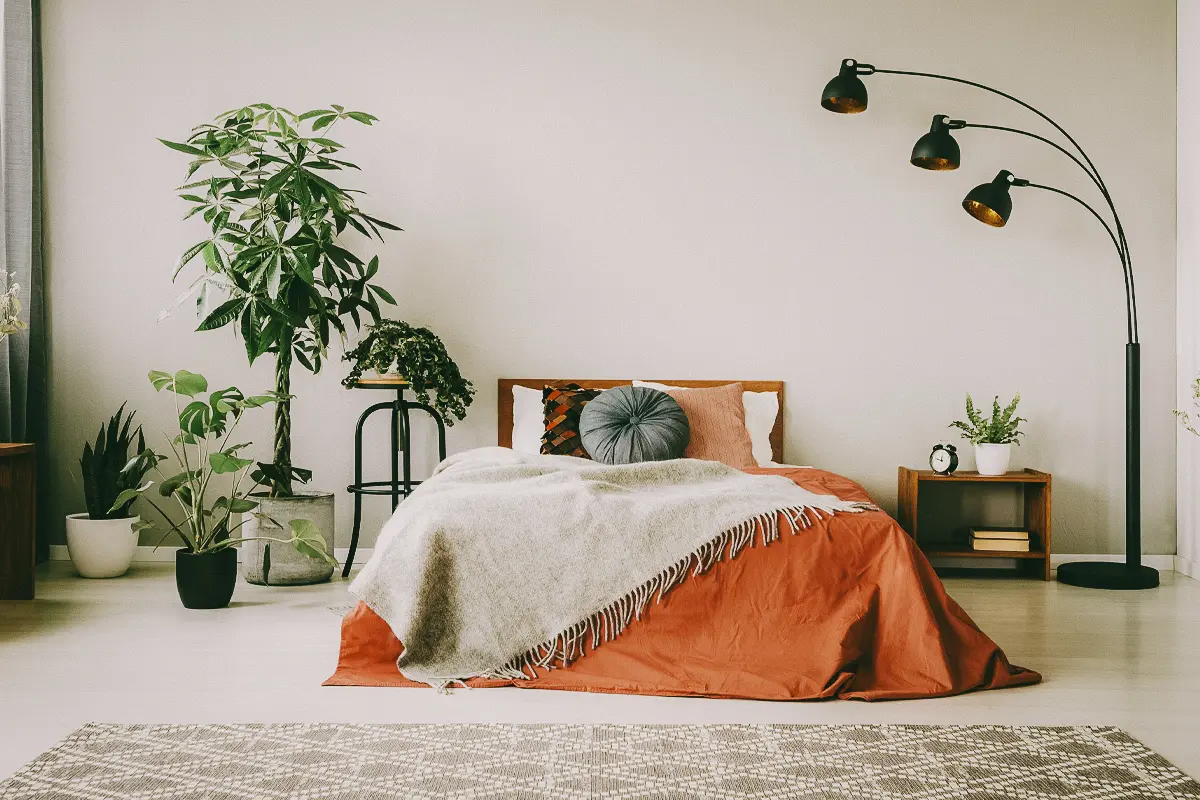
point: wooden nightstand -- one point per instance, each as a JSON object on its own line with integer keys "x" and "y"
{"x": 1035, "y": 488}
{"x": 17, "y": 481}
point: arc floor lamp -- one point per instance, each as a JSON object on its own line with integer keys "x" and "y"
{"x": 991, "y": 203}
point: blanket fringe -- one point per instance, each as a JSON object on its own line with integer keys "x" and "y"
{"x": 611, "y": 621}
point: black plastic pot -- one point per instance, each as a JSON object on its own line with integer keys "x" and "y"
{"x": 205, "y": 580}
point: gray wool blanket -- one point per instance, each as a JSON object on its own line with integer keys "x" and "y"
{"x": 503, "y": 561}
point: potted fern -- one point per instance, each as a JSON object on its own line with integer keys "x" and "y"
{"x": 417, "y": 355}
{"x": 103, "y": 540}
{"x": 993, "y": 438}
{"x": 277, "y": 256}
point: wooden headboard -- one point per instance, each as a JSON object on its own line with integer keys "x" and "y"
{"x": 504, "y": 416}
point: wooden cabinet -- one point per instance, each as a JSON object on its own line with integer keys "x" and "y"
{"x": 1035, "y": 490}
{"x": 17, "y": 482}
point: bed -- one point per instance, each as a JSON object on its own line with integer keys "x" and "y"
{"x": 846, "y": 608}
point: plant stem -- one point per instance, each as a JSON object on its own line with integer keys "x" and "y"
{"x": 283, "y": 416}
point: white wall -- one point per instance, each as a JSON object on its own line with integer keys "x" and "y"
{"x": 1188, "y": 277}
{"x": 650, "y": 189}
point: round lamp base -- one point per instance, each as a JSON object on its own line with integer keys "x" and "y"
{"x": 1107, "y": 575}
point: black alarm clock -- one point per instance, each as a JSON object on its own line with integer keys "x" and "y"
{"x": 944, "y": 459}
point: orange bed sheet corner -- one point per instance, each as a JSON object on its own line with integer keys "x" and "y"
{"x": 849, "y": 608}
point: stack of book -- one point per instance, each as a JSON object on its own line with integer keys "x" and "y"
{"x": 1009, "y": 540}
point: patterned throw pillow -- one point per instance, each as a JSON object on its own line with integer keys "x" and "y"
{"x": 563, "y": 405}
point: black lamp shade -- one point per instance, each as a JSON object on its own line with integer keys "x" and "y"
{"x": 937, "y": 149}
{"x": 991, "y": 203}
{"x": 845, "y": 94}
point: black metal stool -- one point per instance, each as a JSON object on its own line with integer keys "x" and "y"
{"x": 401, "y": 484}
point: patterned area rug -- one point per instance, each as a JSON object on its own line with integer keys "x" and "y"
{"x": 378, "y": 762}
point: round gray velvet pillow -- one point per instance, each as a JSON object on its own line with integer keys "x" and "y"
{"x": 629, "y": 424}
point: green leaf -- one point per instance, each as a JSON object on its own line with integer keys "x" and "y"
{"x": 315, "y": 113}
{"x": 196, "y": 418}
{"x": 223, "y": 314}
{"x": 381, "y": 223}
{"x": 129, "y": 494}
{"x": 159, "y": 379}
{"x": 382, "y": 293}
{"x": 213, "y": 255}
{"x": 223, "y": 463}
{"x": 274, "y": 277}
{"x": 184, "y": 148}
{"x": 325, "y": 142}
{"x": 361, "y": 116}
{"x": 226, "y": 400}
{"x": 324, "y": 122}
{"x": 188, "y": 255}
{"x": 182, "y": 382}
{"x": 307, "y": 539}
{"x": 258, "y": 400}
{"x": 175, "y": 483}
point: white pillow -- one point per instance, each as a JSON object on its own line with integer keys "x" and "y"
{"x": 529, "y": 420}
{"x": 761, "y": 410}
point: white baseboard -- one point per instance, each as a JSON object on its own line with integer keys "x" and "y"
{"x": 1186, "y": 566}
{"x": 149, "y": 554}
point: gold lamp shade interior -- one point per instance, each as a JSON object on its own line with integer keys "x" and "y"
{"x": 844, "y": 105}
{"x": 982, "y": 213}
{"x": 933, "y": 162}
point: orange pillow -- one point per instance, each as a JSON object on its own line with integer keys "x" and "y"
{"x": 718, "y": 422}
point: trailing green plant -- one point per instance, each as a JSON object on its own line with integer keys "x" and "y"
{"x": 420, "y": 357}
{"x": 113, "y": 465}
{"x": 1184, "y": 417}
{"x": 203, "y": 448}
{"x": 276, "y": 252}
{"x": 1000, "y": 429}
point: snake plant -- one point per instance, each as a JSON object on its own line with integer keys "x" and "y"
{"x": 112, "y": 465}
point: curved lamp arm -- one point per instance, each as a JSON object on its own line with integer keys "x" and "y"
{"x": 860, "y": 68}
{"x": 1095, "y": 213}
{"x": 869, "y": 69}
{"x": 990, "y": 203}
{"x": 1118, "y": 238}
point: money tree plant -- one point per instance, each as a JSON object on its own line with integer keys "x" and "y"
{"x": 276, "y": 255}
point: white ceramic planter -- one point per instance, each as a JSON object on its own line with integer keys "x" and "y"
{"x": 101, "y": 548}
{"x": 287, "y": 566}
{"x": 992, "y": 459}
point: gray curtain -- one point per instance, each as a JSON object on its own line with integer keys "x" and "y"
{"x": 23, "y": 400}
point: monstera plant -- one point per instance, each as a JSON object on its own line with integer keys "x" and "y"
{"x": 211, "y": 462}
{"x": 278, "y": 267}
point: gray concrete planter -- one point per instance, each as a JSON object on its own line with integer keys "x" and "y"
{"x": 285, "y": 566}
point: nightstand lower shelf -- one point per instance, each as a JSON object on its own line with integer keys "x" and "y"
{"x": 1034, "y": 487}
{"x": 935, "y": 553}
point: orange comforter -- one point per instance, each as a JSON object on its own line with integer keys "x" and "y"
{"x": 849, "y": 608}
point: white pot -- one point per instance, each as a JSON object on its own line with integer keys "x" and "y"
{"x": 992, "y": 459}
{"x": 287, "y": 566}
{"x": 101, "y": 548}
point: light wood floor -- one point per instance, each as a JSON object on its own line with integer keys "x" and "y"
{"x": 124, "y": 650}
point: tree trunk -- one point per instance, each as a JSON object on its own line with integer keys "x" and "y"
{"x": 283, "y": 417}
